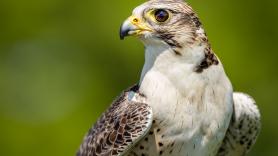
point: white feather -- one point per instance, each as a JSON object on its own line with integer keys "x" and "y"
{"x": 195, "y": 108}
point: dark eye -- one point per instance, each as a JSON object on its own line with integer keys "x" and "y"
{"x": 161, "y": 15}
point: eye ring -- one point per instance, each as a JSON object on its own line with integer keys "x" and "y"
{"x": 161, "y": 15}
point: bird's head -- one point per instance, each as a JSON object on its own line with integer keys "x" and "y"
{"x": 169, "y": 22}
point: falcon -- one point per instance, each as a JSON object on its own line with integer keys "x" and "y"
{"x": 183, "y": 104}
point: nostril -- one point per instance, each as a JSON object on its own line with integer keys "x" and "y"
{"x": 135, "y": 20}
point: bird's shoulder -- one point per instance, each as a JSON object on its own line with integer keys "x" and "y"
{"x": 124, "y": 123}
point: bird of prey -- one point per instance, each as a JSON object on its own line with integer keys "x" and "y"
{"x": 184, "y": 104}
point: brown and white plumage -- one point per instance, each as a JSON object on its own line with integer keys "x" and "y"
{"x": 244, "y": 127}
{"x": 124, "y": 124}
{"x": 184, "y": 103}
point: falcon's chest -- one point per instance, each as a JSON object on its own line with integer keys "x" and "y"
{"x": 191, "y": 112}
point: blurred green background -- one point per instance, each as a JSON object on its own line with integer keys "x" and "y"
{"x": 62, "y": 63}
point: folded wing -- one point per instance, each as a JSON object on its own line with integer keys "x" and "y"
{"x": 244, "y": 127}
{"x": 119, "y": 128}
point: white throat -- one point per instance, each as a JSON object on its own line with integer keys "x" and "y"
{"x": 151, "y": 55}
{"x": 160, "y": 57}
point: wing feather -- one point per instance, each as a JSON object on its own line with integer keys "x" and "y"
{"x": 244, "y": 127}
{"x": 119, "y": 128}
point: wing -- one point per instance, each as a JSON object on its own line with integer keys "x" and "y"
{"x": 118, "y": 129}
{"x": 244, "y": 127}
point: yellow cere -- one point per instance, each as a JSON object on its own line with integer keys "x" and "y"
{"x": 141, "y": 25}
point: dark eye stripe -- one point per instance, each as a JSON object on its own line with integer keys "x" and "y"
{"x": 161, "y": 15}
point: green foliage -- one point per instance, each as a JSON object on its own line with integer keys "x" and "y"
{"x": 62, "y": 63}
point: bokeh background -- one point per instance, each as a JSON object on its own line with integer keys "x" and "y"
{"x": 62, "y": 63}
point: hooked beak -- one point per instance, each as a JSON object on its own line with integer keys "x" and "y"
{"x": 132, "y": 27}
